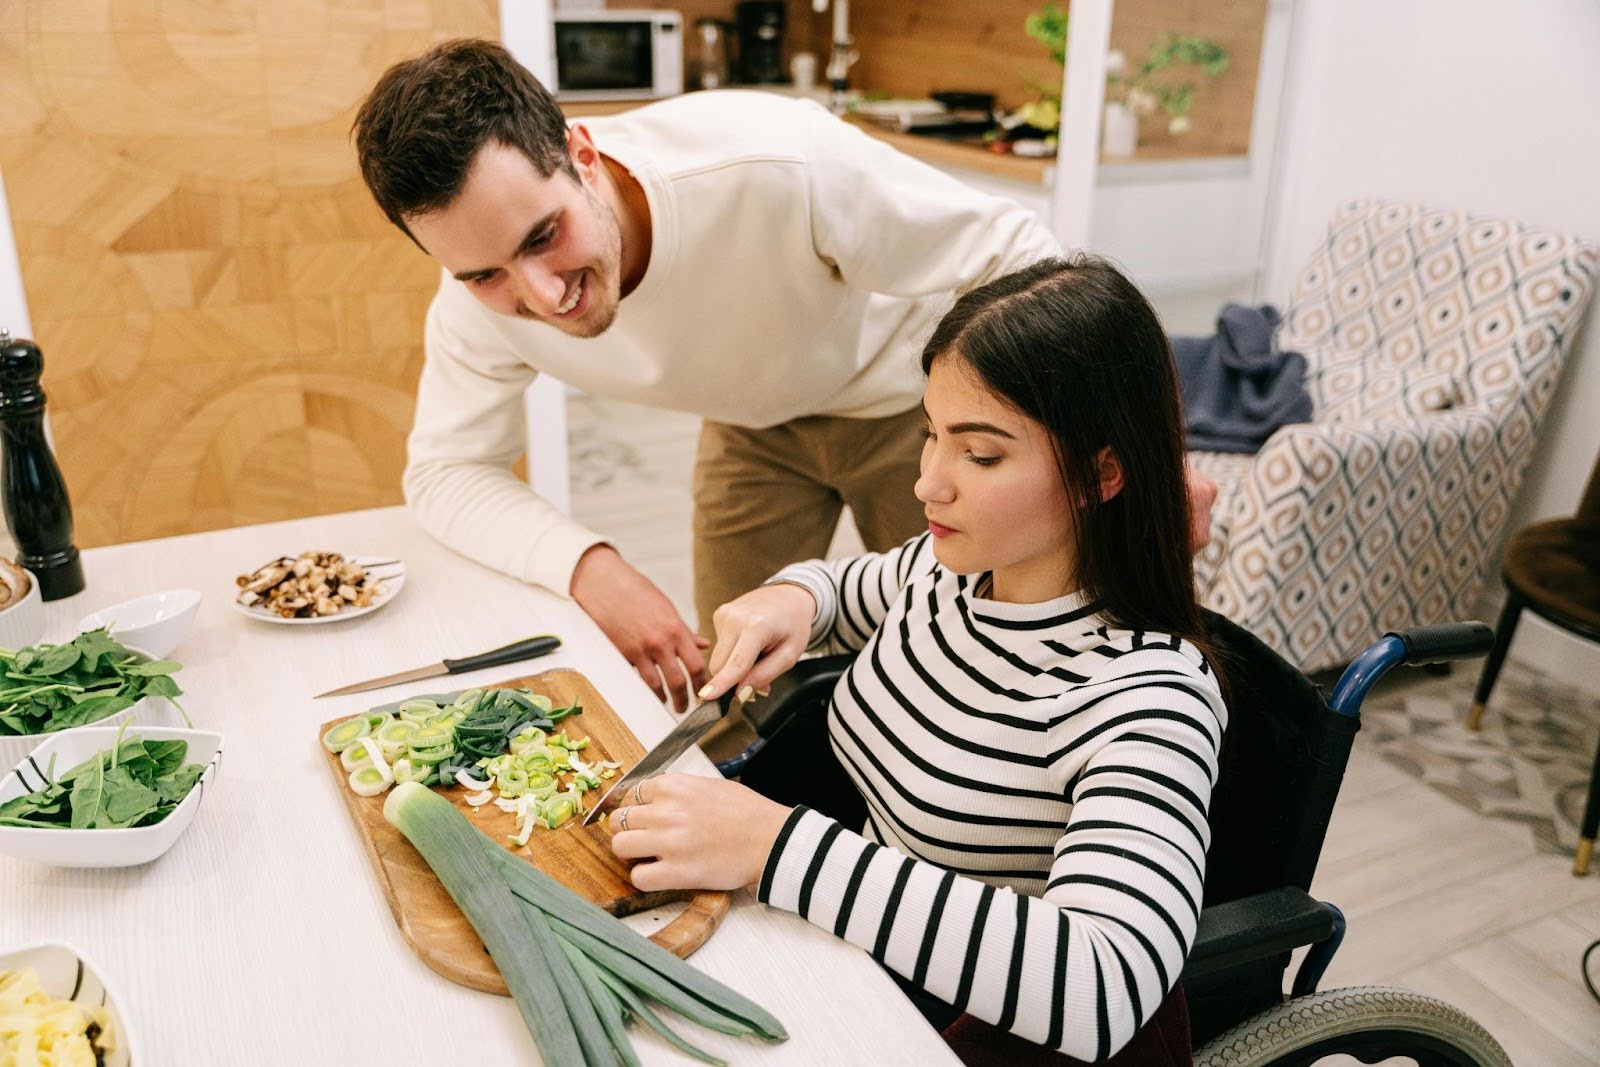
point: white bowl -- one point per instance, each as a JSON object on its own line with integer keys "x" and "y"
{"x": 22, "y": 623}
{"x": 64, "y": 972}
{"x": 13, "y": 747}
{"x": 103, "y": 848}
{"x": 156, "y": 623}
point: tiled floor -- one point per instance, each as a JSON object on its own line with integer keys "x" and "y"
{"x": 1438, "y": 899}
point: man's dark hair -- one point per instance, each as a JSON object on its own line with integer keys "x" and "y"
{"x": 422, "y": 125}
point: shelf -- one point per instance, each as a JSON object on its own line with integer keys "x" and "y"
{"x": 1159, "y": 164}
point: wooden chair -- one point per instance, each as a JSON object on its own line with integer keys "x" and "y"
{"x": 1552, "y": 569}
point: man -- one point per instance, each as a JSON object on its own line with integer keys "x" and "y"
{"x": 742, "y": 256}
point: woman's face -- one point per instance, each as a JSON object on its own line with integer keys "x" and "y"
{"x": 992, "y": 489}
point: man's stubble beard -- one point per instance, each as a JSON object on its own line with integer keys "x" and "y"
{"x": 606, "y": 274}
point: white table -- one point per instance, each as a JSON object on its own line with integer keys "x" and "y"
{"x": 262, "y": 937}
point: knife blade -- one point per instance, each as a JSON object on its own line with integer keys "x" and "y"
{"x": 527, "y": 648}
{"x": 659, "y": 758}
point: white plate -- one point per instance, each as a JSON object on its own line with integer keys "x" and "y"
{"x": 392, "y": 579}
{"x": 125, "y": 847}
{"x": 64, "y": 973}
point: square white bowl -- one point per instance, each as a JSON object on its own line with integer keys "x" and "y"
{"x": 14, "y": 747}
{"x": 64, "y": 973}
{"x": 155, "y": 623}
{"x": 103, "y": 848}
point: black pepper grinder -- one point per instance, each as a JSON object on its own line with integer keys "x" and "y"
{"x": 31, "y": 486}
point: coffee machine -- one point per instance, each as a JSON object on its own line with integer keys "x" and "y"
{"x": 760, "y": 24}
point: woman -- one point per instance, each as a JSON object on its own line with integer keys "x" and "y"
{"x": 1031, "y": 721}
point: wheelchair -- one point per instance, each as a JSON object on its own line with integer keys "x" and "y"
{"x": 1283, "y": 757}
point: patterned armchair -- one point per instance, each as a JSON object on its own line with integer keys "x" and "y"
{"x": 1433, "y": 342}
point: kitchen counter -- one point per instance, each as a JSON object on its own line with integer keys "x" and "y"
{"x": 961, "y": 155}
{"x": 939, "y": 152}
{"x": 263, "y": 937}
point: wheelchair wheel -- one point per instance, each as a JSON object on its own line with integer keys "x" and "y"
{"x": 1368, "y": 1023}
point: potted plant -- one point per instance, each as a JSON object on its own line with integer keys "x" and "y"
{"x": 1164, "y": 82}
{"x": 1158, "y": 85}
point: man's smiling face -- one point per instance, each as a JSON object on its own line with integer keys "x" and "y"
{"x": 541, "y": 248}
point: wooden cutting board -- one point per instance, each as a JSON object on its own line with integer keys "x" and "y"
{"x": 578, "y": 856}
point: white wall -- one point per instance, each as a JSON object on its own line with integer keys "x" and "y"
{"x": 13, "y": 303}
{"x": 1482, "y": 104}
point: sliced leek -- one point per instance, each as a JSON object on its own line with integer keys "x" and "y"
{"x": 368, "y": 781}
{"x": 340, "y": 737}
{"x": 356, "y": 756}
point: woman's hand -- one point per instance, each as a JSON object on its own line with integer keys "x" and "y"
{"x": 690, "y": 832}
{"x": 759, "y": 636}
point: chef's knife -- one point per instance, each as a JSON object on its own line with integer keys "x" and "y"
{"x": 527, "y": 648}
{"x": 658, "y": 759}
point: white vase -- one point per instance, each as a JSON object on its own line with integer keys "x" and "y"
{"x": 1119, "y": 132}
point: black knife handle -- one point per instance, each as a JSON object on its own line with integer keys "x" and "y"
{"x": 527, "y": 648}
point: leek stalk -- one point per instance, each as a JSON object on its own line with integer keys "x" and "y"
{"x": 444, "y": 837}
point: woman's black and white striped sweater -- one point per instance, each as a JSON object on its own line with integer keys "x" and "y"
{"x": 1048, "y": 778}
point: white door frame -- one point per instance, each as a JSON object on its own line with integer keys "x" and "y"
{"x": 1083, "y": 93}
{"x": 525, "y": 30}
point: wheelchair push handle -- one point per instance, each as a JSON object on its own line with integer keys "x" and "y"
{"x": 1421, "y": 644}
{"x": 1445, "y": 641}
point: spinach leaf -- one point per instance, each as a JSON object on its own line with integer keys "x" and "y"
{"x": 176, "y": 786}
{"x": 126, "y": 800}
{"x": 92, "y": 710}
{"x": 154, "y": 668}
{"x": 166, "y": 755}
{"x": 59, "y": 659}
{"x": 87, "y": 793}
{"x": 95, "y": 645}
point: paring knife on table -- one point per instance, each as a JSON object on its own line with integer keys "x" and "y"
{"x": 527, "y": 648}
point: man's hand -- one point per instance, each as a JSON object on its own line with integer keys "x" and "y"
{"x": 1202, "y": 497}
{"x": 641, "y": 622}
{"x": 690, "y": 832}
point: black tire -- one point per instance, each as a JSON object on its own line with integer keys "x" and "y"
{"x": 1370, "y": 1023}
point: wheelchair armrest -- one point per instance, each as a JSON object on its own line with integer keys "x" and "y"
{"x": 1256, "y": 927}
{"x": 807, "y": 682}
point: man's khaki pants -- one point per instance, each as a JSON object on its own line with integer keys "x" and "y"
{"x": 766, "y": 498}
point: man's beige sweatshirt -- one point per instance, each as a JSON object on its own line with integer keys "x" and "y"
{"x": 797, "y": 266}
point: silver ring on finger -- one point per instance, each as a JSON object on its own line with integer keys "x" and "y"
{"x": 622, "y": 818}
{"x": 638, "y": 797}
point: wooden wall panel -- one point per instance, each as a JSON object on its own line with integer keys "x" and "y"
{"x": 913, "y": 47}
{"x": 232, "y": 331}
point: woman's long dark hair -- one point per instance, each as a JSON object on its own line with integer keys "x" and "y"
{"x": 1072, "y": 344}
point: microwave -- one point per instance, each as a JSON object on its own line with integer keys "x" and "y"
{"x": 618, "y": 55}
